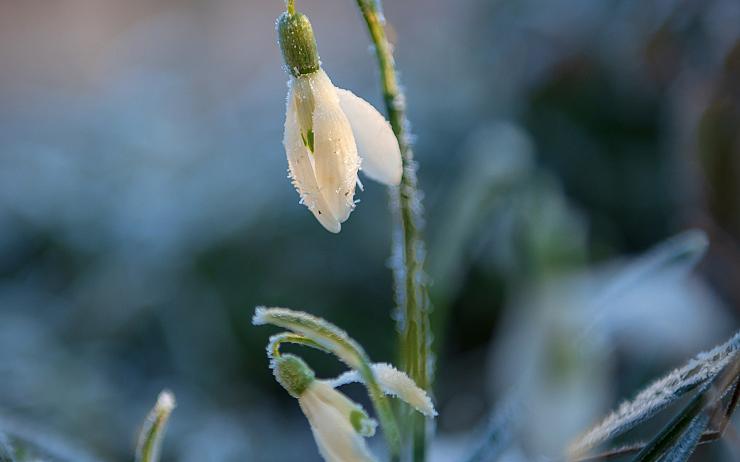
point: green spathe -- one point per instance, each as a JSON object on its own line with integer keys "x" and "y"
{"x": 298, "y": 44}
{"x": 293, "y": 374}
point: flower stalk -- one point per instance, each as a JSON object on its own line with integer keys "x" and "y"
{"x": 410, "y": 281}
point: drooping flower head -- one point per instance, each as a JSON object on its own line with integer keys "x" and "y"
{"x": 330, "y": 133}
{"x": 338, "y": 424}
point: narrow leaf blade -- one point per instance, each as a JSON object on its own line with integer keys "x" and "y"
{"x": 657, "y": 396}
{"x": 153, "y": 429}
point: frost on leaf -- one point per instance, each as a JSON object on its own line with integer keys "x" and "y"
{"x": 688, "y": 441}
{"x": 660, "y": 394}
{"x": 325, "y": 334}
{"x": 152, "y": 431}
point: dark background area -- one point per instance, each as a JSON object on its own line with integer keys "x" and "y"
{"x": 145, "y": 211}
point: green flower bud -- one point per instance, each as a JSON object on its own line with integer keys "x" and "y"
{"x": 293, "y": 374}
{"x": 297, "y": 42}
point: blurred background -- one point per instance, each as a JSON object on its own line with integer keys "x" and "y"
{"x": 145, "y": 210}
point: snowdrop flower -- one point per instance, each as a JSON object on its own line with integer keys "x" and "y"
{"x": 337, "y": 423}
{"x": 330, "y": 133}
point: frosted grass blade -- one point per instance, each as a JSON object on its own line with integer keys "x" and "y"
{"x": 675, "y": 437}
{"x": 659, "y": 395}
{"x": 153, "y": 429}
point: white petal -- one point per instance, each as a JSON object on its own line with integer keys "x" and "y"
{"x": 336, "y": 438}
{"x": 376, "y": 143}
{"x": 335, "y": 153}
{"x": 302, "y": 171}
{"x": 394, "y": 383}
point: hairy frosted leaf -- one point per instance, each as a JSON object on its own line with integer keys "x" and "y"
{"x": 394, "y": 383}
{"x": 325, "y": 334}
{"x": 704, "y": 401}
{"x": 153, "y": 429}
{"x": 660, "y": 394}
{"x": 273, "y": 345}
{"x": 686, "y": 445}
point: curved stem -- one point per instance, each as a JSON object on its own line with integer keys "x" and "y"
{"x": 273, "y": 346}
{"x": 410, "y": 281}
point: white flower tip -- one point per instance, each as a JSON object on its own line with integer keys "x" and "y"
{"x": 333, "y": 227}
{"x": 165, "y": 402}
{"x": 259, "y": 317}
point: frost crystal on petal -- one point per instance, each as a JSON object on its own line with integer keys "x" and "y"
{"x": 394, "y": 383}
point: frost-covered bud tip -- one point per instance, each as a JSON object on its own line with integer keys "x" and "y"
{"x": 293, "y": 374}
{"x": 298, "y": 44}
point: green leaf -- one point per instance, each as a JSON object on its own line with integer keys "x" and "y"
{"x": 658, "y": 395}
{"x": 691, "y": 437}
{"x": 152, "y": 431}
{"x": 677, "y": 432}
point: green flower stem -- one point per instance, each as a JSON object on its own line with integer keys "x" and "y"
{"x": 290, "y": 6}
{"x": 410, "y": 285}
{"x": 318, "y": 333}
{"x": 273, "y": 347}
